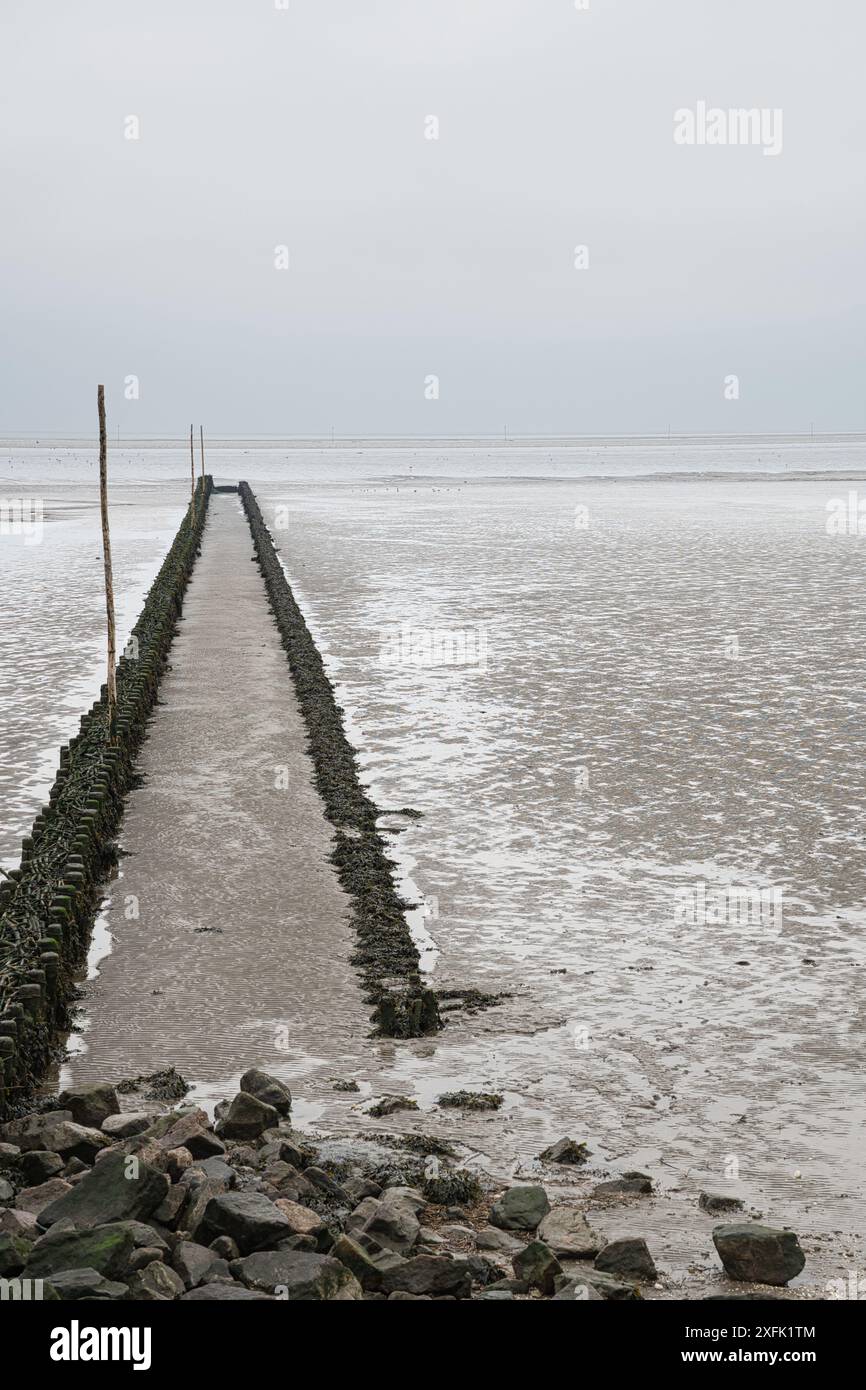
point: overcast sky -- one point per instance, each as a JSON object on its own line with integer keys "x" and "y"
{"x": 409, "y": 258}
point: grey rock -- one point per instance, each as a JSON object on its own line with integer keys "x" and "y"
{"x": 14, "y": 1251}
{"x": 629, "y": 1258}
{"x": 126, "y": 1125}
{"x": 428, "y": 1274}
{"x": 267, "y": 1089}
{"x": 91, "y": 1105}
{"x": 538, "y": 1267}
{"x": 66, "y": 1138}
{"x": 247, "y": 1118}
{"x": 631, "y": 1185}
{"x": 107, "y": 1249}
{"x": 758, "y": 1254}
{"x": 188, "y": 1132}
{"x": 26, "y": 1131}
{"x": 392, "y": 1223}
{"x": 70, "y": 1285}
{"x": 249, "y": 1218}
{"x": 222, "y": 1293}
{"x": 715, "y": 1202}
{"x": 36, "y": 1200}
{"x": 157, "y": 1283}
{"x": 225, "y": 1248}
{"x": 608, "y": 1285}
{"x": 9, "y": 1155}
{"x": 192, "y": 1262}
{"x": 566, "y": 1231}
{"x": 488, "y": 1238}
{"x": 111, "y": 1191}
{"x": 7, "y": 1192}
{"x": 578, "y": 1290}
{"x": 297, "y": 1275}
{"x": 566, "y": 1151}
{"x": 215, "y": 1168}
{"x": 38, "y": 1165}
{"x": 520, "y": 1209}
{"x": 143, "y": 1256}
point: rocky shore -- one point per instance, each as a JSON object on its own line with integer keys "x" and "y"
{"x": 128, "y": 1192}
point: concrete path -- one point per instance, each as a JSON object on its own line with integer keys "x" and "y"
{"x": 229, "y": 934}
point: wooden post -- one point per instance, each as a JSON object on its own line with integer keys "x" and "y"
{"x": 191, "y": 470}
{"x": 106, "y": 555}
{"x": 201, "y": 438}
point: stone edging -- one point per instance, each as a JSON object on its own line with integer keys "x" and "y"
{"x": 47, "y": 906}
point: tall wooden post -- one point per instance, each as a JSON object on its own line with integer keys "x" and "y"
{"x": 106, "y": 556}
{"x": 201, "y": 439}
{"x": 191, "y": 470}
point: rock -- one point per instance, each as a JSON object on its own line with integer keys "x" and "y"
{"x": 192, "y": 1262}
{"x": 302, "y": 1221}
{"x": 389, "y": 1105}
{"x": 249, "y": 1218}
{"x": 30, "y": 1128}
{"x": 91, "y": 1105}
{"x": 143, "y": 1256}
{"x": 631, "y": 1185}
{"x": 286, "y": 1151}
{"x": 520, "y": 1209}
{"x": 15, "y": 1222}
{"x": 247, "y": 1118}
{"x": 716, "y": 1202}
{"x": 199, "y": 1194}
{"x": 566, "y": 1151}
{"x": 119, "y": 1188}
{"x": 500, "y": 1241}
{"x": 177, "y": 1162}
{"x": 74, "y": 1168}
{"x": 60, "y": 1136}
{"x": 37, "y": 1200}
{"x": 537, "y": 1266}
{"x": 38, "y": 1165}
{"x": 428, "y": 1274}
{"x": 629, "y": 1258}
{"x": 365, "y": 1269}
{"x": 107, "y": 1249}
{"x": 222, "y": 1293}
{"x": 578, "y": 1290}
{"x": 157, "y": 1283}
{"x": 188, "y": 1132}
{"x": 267, "y": 1089}
{"x": 215, "y": 1168}
{"x": 14, "y": 1251}
{"x": 608, "y": 1285}
{"x": 324, "y": 1181}
{"x": 170, "y": 1207}
{"x": 758, "y": 1254}
{"x": 70, "y": 1285}
{"x": 399, "y": 1296}
{"x": 9, "y": 1155}
{"x": 495, "y": 1296}
{"x": 297, "y": 1275}
{"x": 392, "y": 1223}
{"x": 225, "y": 1248}
{"x": 7, "y": 1192}
{"x": 126, "y": 1125}
{"x": 566, "y": 1231}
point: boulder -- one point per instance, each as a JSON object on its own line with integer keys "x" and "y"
{"x": 7, "y": 1192}
{"x": 9, "y": 1155}
{"x": 156, "y": 1283}
{"x": 15, "y": 1222}
{"x": 117, "y": 1189}
{"x": 714, "y": 1202}
{"x": 38, "y": 1165}
{"x": 30, "y": 1128}
{"x": 298, "y": 1275}
{"x": 191, "y": 1132}
{"x": 566, "y": 1151}
{"x": 302, "y": 1221}
{"x": 628, "y": 1258}
{"x": 537, "y": 1267}
{"x": 630, "y": 1185}
{"x": 758, "y": 1254}
{"x": 247, "y": 1118}
{"x": 63, "y": 1137}
{"x": 222, "y": 1293}
{"x": 365, "y": 1267}
{"x": 392, "y": 1222}
{"x": 520, "y": 1209}
{"x": 107, "y": 1249}
{"x": 215, "y": 1168}
{"x": 36, "y": 1200}
{"x": 435, "y": 1275}
{"x": 91, "y": 1105}
{"x": 71, "y": 1285}
{"x": 577, "y": 1290}
{"x": 566, "y": 1231}
{"x": 253, "y": 1222}
{"x": 192, "y": 1262}
{"x": 267, "y": 1089}
{"x": 14, "y": 1251}
{"x": 126, "y": 1126}
{"x": 608, "y": 1285}
{"x": 488, "y": 1238}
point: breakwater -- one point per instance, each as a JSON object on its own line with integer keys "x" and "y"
{"x": 47, "y": 905}
{"x": 386, "y": 956}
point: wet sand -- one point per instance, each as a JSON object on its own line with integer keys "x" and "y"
{"x": 240, "y": 945}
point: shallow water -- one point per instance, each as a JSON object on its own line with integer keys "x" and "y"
{"x": 658, "y": 685}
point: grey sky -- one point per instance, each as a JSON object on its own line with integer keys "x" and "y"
{"x": 410, "y": 257}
